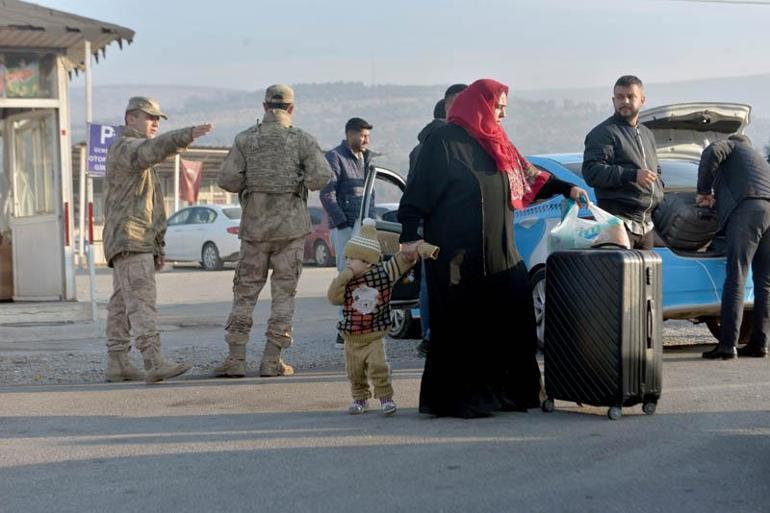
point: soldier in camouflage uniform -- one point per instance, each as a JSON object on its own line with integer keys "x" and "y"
{"x": 135, "y": 225}
{"x": 271, "y": 166}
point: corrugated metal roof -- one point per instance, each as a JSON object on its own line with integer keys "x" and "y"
{"x": 26, "y": 25}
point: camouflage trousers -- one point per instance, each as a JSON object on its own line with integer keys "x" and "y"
{"x": 256, "y": 258}
{"x": 132, "y": 304}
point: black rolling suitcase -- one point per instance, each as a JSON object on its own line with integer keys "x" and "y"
{"x": 603, "y": 329}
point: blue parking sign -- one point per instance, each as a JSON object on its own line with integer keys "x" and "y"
{"x": 100, "y": 137}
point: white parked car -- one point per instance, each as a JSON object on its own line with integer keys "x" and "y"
{"x": 207, "y": 234}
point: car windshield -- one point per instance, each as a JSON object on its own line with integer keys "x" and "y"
{"x": 232, "y": 213}
{"x": 677, "y": 174}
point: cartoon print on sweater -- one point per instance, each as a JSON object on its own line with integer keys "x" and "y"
{"x": 365, "y": 299}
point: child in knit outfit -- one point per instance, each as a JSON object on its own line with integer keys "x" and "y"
{"x": 364, "y": 289}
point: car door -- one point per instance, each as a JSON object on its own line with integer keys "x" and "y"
{"x": 176, "y": 233}
{"x": 385, "y": 186}
{"x": 202, "y": 230}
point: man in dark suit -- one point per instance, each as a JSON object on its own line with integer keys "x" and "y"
{"x": 736, "y": 177}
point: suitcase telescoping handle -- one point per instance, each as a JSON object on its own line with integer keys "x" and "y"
{"x": 650, "y": 321}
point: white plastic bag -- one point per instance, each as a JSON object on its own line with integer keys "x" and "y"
{"x": 574, "y": 232}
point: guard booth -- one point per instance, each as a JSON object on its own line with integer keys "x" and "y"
{"x": 40, "y": 49}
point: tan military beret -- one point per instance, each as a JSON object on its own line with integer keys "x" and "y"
{"x": 279, "y": 93}
{"x": 145, "y": 104}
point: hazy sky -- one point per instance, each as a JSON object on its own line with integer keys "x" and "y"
{"x": 529, "y": 44}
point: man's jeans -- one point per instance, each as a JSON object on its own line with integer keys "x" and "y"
{"x": 424, "y": 318}
{"x": 748, "y": 243}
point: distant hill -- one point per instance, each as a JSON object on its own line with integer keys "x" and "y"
{"x": 537, "y": 122}
{"x": 748, "y": 89}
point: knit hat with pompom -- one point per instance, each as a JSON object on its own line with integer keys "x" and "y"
{"x": 365, "y": 245}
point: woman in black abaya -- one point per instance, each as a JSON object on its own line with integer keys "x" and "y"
{"x": 467, "y": 181}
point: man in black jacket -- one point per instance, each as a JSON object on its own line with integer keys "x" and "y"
{"x": 440, "y": 112}
{"x": 621, "y": 164}
{"x": 439, "y": 120}
{"x": 738, "y": 177}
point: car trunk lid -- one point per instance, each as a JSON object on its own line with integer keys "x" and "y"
{"x": 683, "y": 130}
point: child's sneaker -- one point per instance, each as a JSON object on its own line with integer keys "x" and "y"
{"x": 388, "y": 406}
{"x": 357, "y": 407}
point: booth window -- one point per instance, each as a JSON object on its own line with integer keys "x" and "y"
{"x": 27, "y": 75}
{"x": 34, "y": 152}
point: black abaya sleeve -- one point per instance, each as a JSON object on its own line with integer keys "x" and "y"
{"x": 553, "y": 187}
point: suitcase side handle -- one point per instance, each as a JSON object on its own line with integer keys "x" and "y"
{"x": 650, "y": 321}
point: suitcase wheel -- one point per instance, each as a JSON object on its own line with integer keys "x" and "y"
{"x": 548, "y": 406}
{"x": 649, "y": 407}
{"x": 615, "y": 413}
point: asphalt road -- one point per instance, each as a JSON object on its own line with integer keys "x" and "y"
{"x": 286, "y": 444}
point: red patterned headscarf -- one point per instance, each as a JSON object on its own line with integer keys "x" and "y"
{"x": 474, "y": 110}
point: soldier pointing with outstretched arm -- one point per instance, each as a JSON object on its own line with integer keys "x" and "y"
{"x": 134, "y": 230}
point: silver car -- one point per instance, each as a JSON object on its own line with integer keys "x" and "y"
{"x": 207, "y": 234}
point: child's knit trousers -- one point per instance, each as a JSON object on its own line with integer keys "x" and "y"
{"x": 365, "y": 359}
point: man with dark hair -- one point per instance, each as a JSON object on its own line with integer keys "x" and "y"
{"x": 134, "y": 232}
{"x": 621, "y": 164}
{"x": 343, "y": 195}
{"x": 357, "y": 125}
{"x": 450, "y": 94}
{"x": 271, "y": 166}
{"x": 736, "y": 176}
{"x": 440, "y": 112}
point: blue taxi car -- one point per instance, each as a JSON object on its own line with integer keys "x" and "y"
{"x": 692, "y": 281}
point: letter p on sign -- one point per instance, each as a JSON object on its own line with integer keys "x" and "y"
{"x": 107, "y": 132}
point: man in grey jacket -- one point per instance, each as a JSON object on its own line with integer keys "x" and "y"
{"x": 737, "y": 177}
{"x": 621, "y": 164}
{"x": 343, "y": 195}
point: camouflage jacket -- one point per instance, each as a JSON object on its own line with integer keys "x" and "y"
{"x": 135, "y": 217}
{"x": 272, "y": 166}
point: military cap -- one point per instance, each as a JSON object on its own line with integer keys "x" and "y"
{"x": 145, "y": 104}
{"x": 279, "y": 93}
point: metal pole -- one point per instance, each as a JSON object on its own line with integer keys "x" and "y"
{"x": 89, "y": 191}
{"x": 89, "y": 83}
{"x": 82, "y": 202}
{"x": 83, "y": 214}
{"x": 177, "y": 163}
{"x": 91, "y": 256}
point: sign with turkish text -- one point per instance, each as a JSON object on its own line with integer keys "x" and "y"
{"x": 100, "y": 137}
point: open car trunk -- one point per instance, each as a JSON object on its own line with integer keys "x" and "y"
{"x": 681, "y": 132}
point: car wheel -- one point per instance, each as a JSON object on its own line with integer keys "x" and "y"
{"x": 537, "y": 285}
{"x": 400, "y": 323}
{"x": 321, "y": 255}
{"x": 744, "y": 335}
{"x": 210, "y": 257}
